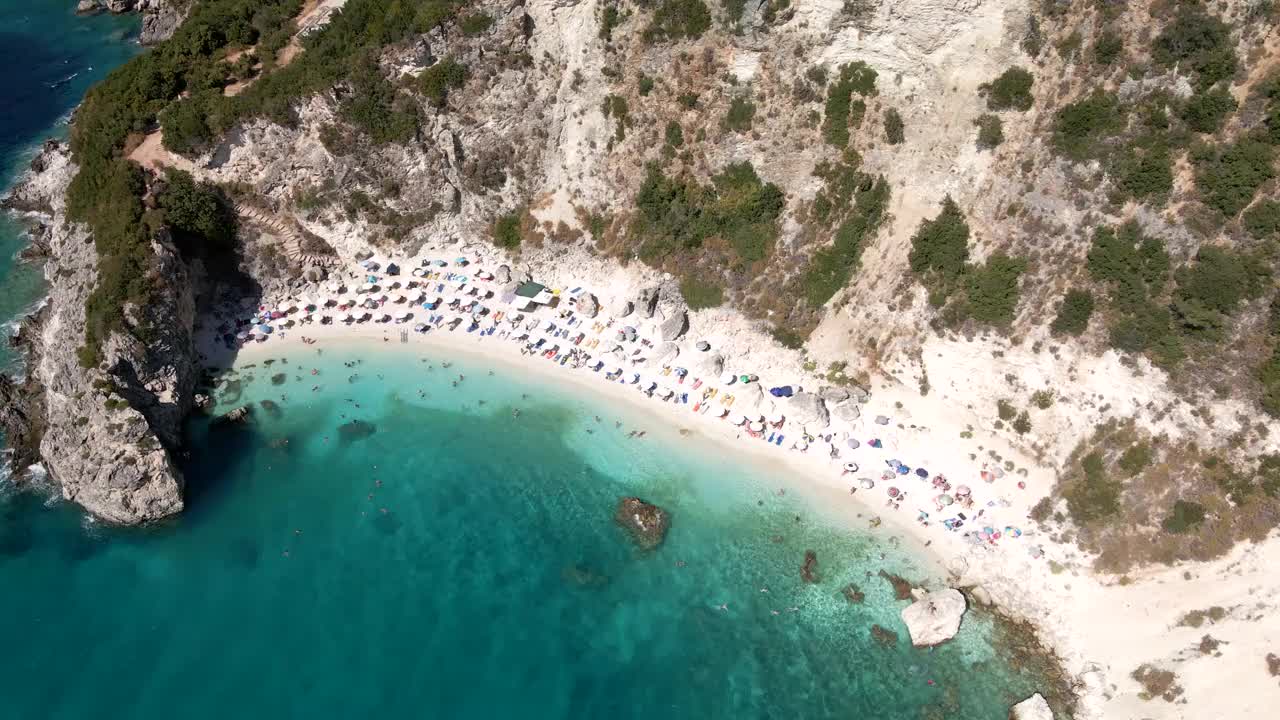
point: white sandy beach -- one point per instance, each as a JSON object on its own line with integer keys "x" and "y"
{"x": 1102, "y": 629}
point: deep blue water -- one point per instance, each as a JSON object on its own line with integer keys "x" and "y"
{"x": 495, "y": 584}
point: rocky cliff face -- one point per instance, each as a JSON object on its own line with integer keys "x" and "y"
{"x": 106, "y": 435}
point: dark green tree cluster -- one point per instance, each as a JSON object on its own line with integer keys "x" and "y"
{"x": 990, "y": 131}
{"x": 1229, "y": 175}
{"x": 894, "y": 130}
{"x": 739, "y": 116}
{"x": 856, "y": 77}
{"x": 506, "y": 230}
{"x": 1074, "y": 313}
{"x": 198, "y": 216}
{"x": 1134, "y": 267}
{"x": 1199, "y": 43}
{"x": 678, "y": 214}
{"x": 1211, "y": 288}
{"x": 436, "y": 81}
{"x": 1079, "y": 128}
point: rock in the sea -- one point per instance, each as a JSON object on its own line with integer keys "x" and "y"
{"x": 355, "y": 430}
{"x": 646, "y": 523}
{"x": 674, "y": 326}
{"x": 272, "y": 408}
{"x": 901, "y": 586}
{"x": 88, "y": 7}
{"x": 583, "y": 576}
{"x": 884, "y": 636}
{"x": 935, "y": 617}
{"x": 853, "y": 594}
{"x": 238, "y": 415}
{"x": 1033, "y": 708}
{"x": 809, "y": 570}
{"x": 202, "y": 402}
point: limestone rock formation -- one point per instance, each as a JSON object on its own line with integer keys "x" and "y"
{"x": 1033, "y": 708}
{"x": 588, "y": 305}
{"x": 934, "y": 617}
{"x": 808, "y": 409}
{"x": 647, "y": 302}
{"x": 847, "y": 411}
{"x": 104, "y": 433}
{"x": 674, "y": 326}
{"x": 647, "y": 524}
{"x": 622, "y": 308}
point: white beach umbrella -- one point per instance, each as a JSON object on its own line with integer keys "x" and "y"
{"x": 728, "y": 378}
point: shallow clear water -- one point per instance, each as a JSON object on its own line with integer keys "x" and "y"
{"x": 496, "y": 582}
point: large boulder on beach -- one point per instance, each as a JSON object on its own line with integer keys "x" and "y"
{"x": 832, "y": 394}
{"x": 674, "y": 326}
{"x": 502, "y": 275}
{"x": 808, "y": 409}
{"x": 1033, "y": 708}
{"x": 647, "y": 524}
{"x": 934, "y": 618}
{"x": 588, "y": 305}
{"x": 621, "y": 308}
{"x": 709, "y": 366}
{"x": 647, "y": 301}
{"x": 847, "y": 411}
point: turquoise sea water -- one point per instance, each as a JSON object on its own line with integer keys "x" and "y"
{"x": 496, "y": 584}
{"x": 50, "y": 57}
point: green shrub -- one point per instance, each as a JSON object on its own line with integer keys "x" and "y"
{"x": 1229, "y": 176}
{"x": 676, "y": 20}
{"x": 1010, "y": 91}
{"x": 615, "y": 106}
{"x": 739, "y": 116}
{"x": 1269, "y": 377}
{"x": 993, "y": 289}
{"x": 436, "y": 81}
{"x": 1022, "y": 424}
{"x": 1263, "y": 219}
{"x": 610, "y": 18}
{"x": 1199, "y": 42}
{"x": 894, "y": 130}
{"x": 1135, "y": 459}
{"x": 376, "y": 107}
{"x": 506, "y": 230}
{"x": 856, "y": 77}
{"x": 1211, "y": 288}
{"x": 699, "y": 294}
{"x": 1133, "y": 264}
{"x": 476, "y": 24}
{"x": 674, "y": 134}
{"x": 687, "y": 100}
{"x": 855, "y": 203}
{"x": 1143, "y": 172}
{"x": 677, "y": 213}
{"x": 1107, "y": 48}
{"x": 1184, "y": 517}
{"x": 1205, "y": 111}
{"x": 941, "y": 245}
{"x": 185, "y": 130}
{"x": 1074, "y": 313}
{"x": 990, "y": 131}
{"x": 644, "y": 85}
{"x": 1005, "y": 410}
{"x": 1094, "y": 496}
{"x": 1078, "y": 127}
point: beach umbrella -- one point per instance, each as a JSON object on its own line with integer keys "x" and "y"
{"x": 243, "y": 335}
{"x": 755, "y": 426}
{"x": 728, "y": 378}
{"x": 866, "y": 483}
{"x": 264, "y": 328}
{"x": 744, "y": 378}
{"x": 894, "y": 491}
{"x": 851, "y": 467}
{"x": 853, "y": 444}
{"x": 348, "y": 317}
{"x": 439, "y": 263}
{"x": 402, "y": 315}
{"x": 944, "y": 499}
{"x": 963, "y": 491}
{"x": 922, "y": 473}
{"x": 776, "y": 418}
{"x": 703, "y": 345}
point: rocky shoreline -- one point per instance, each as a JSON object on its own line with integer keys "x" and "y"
{"x": 106, "y": 435}
{"x": 160, "y": 18}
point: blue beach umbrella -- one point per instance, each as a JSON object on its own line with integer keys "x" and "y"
{"x": 922, "y": 472}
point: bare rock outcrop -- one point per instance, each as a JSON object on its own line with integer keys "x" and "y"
{"x": 934, "y": 618}
{"x": 1033, "y": 708}
{"x": 647, "y": 524}
{"x": 104, "y": 433}
{"x": 675, "y": 325}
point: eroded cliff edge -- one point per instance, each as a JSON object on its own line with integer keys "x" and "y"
{"x": 107, "y": 434}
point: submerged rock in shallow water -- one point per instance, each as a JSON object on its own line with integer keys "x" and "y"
{"x": 646, "y": 523}
{"x": 235, "y": 417}
{"x": 853, "y": 594}
{"x": 355, "y": 430}
{"x": 582, "y": 576}
{"x": 935, "y": 617}
{"x": 809, "y": 570}
{"x": 901, "y": 586}
{"x": 884, "y": 636}
{"x": 279, "y": 378}
{"x": 272, "y": 408}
